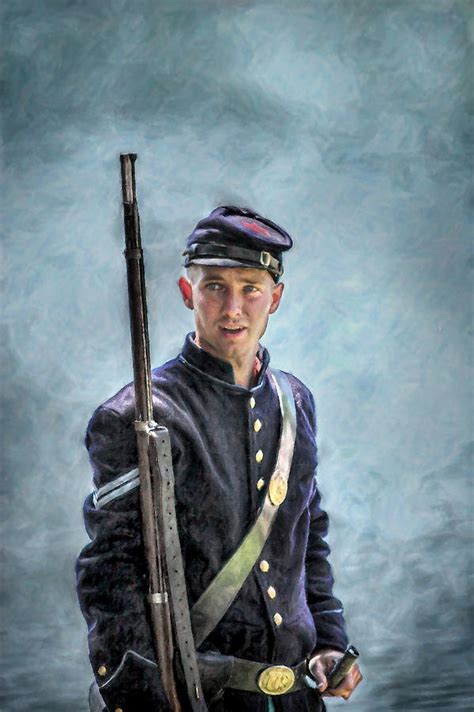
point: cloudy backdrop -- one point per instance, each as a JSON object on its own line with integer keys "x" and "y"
{"x": 347, "y": 122}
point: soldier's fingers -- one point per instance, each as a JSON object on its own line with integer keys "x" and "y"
{"x": 347, "y": 684}
{"x": 317, "y": 671}
{"x": 346, "y": 695}
{"x": 351, "y": 677}
{"x": 352, "y": 686}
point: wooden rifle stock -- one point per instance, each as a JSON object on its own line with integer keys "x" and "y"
{"x": 151, "y": 515}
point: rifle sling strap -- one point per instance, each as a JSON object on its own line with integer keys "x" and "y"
{"x": 223, "y": 589}
{"x": 162, "y": 467}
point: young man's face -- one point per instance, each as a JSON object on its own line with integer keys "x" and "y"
{"x": 231, "y": 307}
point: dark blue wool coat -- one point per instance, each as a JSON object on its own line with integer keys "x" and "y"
{"x": 214, "y": 443}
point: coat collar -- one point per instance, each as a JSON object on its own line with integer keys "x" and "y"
{"x": 215, "y": 368}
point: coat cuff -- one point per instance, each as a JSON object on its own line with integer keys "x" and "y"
{"x": 134, "y": 685}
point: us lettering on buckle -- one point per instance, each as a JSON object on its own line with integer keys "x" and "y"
{"x": 276, "y": 680}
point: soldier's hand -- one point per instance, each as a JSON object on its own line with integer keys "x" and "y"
{"x": 321, "y": 666}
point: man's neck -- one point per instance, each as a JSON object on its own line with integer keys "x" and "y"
{"x": 247, "y": 375}
{"x": 246, "y": 369}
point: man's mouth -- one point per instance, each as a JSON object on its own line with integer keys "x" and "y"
{"x": 233, "y": 329}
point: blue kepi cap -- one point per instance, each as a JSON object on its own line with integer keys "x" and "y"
{"x": 237, "y": 237}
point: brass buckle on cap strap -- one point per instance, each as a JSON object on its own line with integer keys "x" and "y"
{"x": 265, "y": 259}
{"x": 276, "y": 680}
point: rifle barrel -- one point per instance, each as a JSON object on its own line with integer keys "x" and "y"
{"x": 149, "y": 486}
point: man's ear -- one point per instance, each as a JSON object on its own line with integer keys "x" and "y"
{"x": 276, "y": 297}
{"x": 186, "y": 290}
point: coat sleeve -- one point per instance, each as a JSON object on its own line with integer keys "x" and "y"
{"x": 326, "y": 609}
{"x": 111, "y": 572}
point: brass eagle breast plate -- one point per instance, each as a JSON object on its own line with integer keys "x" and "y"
{"x": 278, "y": 489}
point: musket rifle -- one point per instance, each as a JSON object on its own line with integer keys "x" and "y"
{"x": 169, "y": 612}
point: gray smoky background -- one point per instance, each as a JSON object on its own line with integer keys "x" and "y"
{"x": 347, "y": 121}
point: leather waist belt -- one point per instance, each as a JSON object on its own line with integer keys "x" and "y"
{"x": 222, "y": 671}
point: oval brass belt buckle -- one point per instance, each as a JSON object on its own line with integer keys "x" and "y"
{"x": 276, "y": 680}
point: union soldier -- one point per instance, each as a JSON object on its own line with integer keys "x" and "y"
{"x": 275, "y": 642}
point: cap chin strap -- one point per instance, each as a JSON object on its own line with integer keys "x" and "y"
{"x": 259, "y": 258}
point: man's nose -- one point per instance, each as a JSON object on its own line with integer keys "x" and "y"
{"x": 233, "y": 304}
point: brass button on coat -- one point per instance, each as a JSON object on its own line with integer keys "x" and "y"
{"x": 252, "y": 402}
{"x": 260, "y": 484}
{"x": 257, "y": 426}
{"x": 102, "y": 671}
{"x": 277, "y": 619}
{"x": 264, "y": 566}
{"x": 271, "y": 592}
{"x": 118, "y": 709}
{"x": 259, "y": 456}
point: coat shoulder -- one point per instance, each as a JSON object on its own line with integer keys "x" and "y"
{"x": 122, "y": 403}
{"x": 303, "y": 396}
{"x": 110, "y": 436}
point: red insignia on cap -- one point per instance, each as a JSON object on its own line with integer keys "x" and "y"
{"x": 255, "y": 227}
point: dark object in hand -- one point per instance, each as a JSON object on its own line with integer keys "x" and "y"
{"x": 342, "y": 666}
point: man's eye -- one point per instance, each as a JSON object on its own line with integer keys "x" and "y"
{"x": 250, "y": 288}
{"x": 213, "y": 286}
